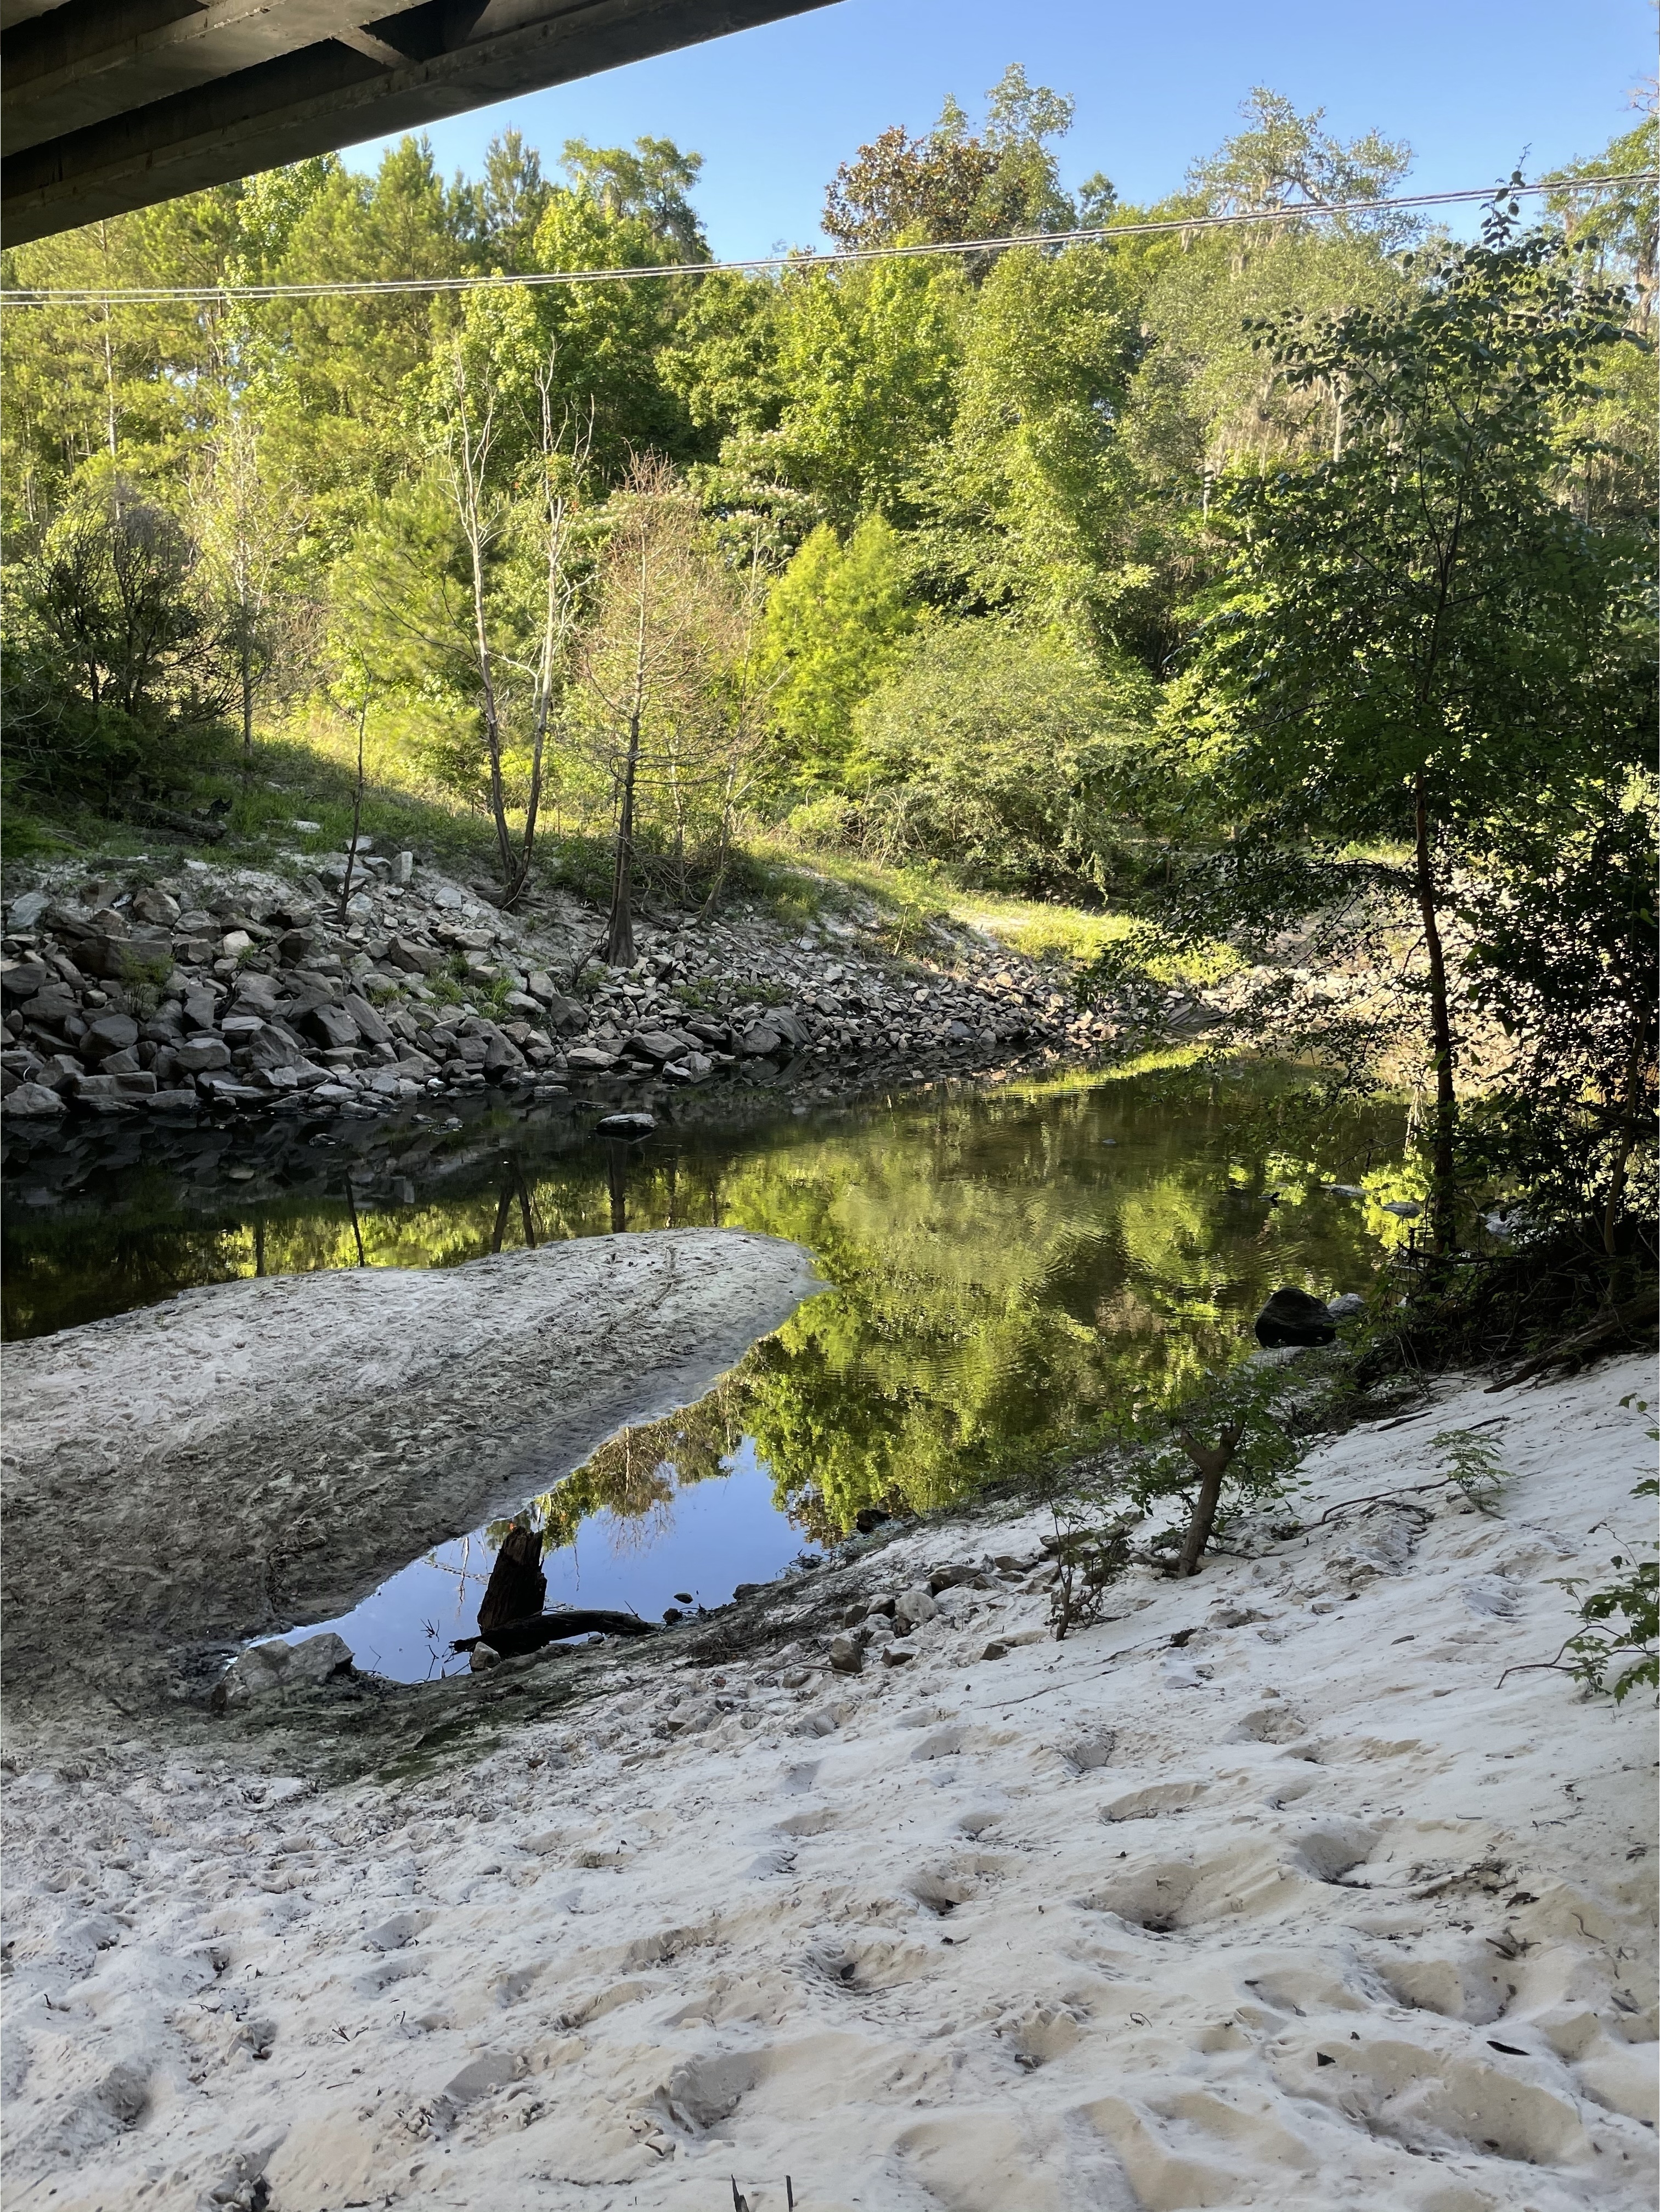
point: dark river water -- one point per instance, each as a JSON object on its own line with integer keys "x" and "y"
{"x": 1007, "y": 1269}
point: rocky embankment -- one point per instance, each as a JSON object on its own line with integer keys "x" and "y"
{"x": 162, "y": 993}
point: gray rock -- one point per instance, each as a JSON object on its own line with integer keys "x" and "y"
{"x": 411, "y": 958}
{"x": 760, "y": 1042}
{"x": 23, "y": 913}
{"x": 110, "y": 1092}
{"x": 1293, "y": 1317}
{"x": 403, "y": 869}
{"x": 21, "y": 978}
{"x": 279, "y": 1665}
{"x": 319, "y": 1658}
{"x": 370, "y": 1026}
{"x": 484, "y": 1657}
{"x": 845, "y": 1655}
{"x": 1348, "y": 1306}
{"x": 333, "y": 1026}
{"x": 898, "y": 1654}
{"x": 152, "y": 903}
{"x": 913, "y": 1608}
{"x": 256, "y": 994}
{"x": 31, "y": 1101}
{"x": 657, "y": 1045}
{"x": 623, "y": 1125}
{"x": 201, "y": 1055}
{"x": 110, "y": 1033}
{"x": 590, "y": 1059}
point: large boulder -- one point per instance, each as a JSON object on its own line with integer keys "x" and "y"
{"x": 414, "y": 957}
{"x": 108, "y": 1035}
{"x": 1293, "y": 1317}
{"x": 31, "y": 1101}
{"x": 659, "y": 1045}
{"x": 331, "y": 1026}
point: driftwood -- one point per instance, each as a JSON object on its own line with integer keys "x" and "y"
{"x": 510, "y": 1637}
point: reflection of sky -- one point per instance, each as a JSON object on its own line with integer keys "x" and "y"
{"x": 709, "y": 1539}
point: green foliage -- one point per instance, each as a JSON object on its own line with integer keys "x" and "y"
{"x": 1620, "y": 1634}
{"x": 1419, "y": 640}
{"x": 867, "y": 357}
{"x": 999, "y": 751}
{"x": 951, "y": 186}
{"x": 1026, "y": 496}
{"x": 834, "y": 620}
{"x": 114, "y": 676}
{"x": 1249, "y": 1413}
{"x": 1473, "y": 1466}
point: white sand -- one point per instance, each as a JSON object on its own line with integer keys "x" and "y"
{"x": 671, "y": 1960}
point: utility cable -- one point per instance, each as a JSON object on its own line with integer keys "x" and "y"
{"x": 538, "y": 279}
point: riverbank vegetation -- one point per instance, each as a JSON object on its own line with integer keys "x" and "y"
{"x": 1266, "y": 603}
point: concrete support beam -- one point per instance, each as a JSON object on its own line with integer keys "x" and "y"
{"x": 108, "y": 107}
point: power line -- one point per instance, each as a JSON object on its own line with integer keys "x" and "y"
{"x": 537, "y": 279}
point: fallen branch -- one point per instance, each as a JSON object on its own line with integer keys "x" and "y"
{"x": 510, "y": 1637}
{"x": 1638, "y": 1311}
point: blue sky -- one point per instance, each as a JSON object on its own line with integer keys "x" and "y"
{"x": 1468, "y": 83}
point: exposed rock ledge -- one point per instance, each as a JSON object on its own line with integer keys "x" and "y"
{"x": 259, "y": 1454}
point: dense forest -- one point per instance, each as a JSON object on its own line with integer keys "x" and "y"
{"x": 1280, "y": 583}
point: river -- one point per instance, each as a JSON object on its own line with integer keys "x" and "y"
{"x": 1008, "y": 1269}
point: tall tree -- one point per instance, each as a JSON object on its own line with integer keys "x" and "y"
{"x": 1417, "y": 633}
{"x": 674, "y": 693}
{"x": 834, "y": 621}
{"x": 952, "y": 184}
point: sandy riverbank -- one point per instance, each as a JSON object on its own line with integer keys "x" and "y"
{"x": 1307, "y": 1911}
{"x": 260, "y": 1453}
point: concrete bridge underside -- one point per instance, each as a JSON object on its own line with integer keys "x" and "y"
{"x": 111, "y": 105}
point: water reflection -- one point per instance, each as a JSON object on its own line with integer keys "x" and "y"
{"x": 1008, "y": 1268}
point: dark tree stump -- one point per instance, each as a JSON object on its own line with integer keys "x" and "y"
{"x": 518, "y": 1588}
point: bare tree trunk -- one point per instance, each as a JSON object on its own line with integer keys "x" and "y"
{"x": 356, "y": 813}
{"x": 1213, "y": 1461}
{"x": 1444, "y": 1197}
{"x": 245, "y": 659}
{"x": 619, "y": 941}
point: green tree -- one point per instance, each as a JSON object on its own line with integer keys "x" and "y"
{"x": 648, "y": 184}
{"x": 949, "y": 185}
{"x": 868, "y": 357}
{"x": 1417, "y": 633}
{"x": 115, "y": 673}
{"x": 834, "y": 620}
{"x": 1002, "y": 752}
{"x": 1027, "y": 493}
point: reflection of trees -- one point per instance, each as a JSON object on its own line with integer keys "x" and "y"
{"x": 1004, "y": 1281}
{"x": 634, "y": 1476}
